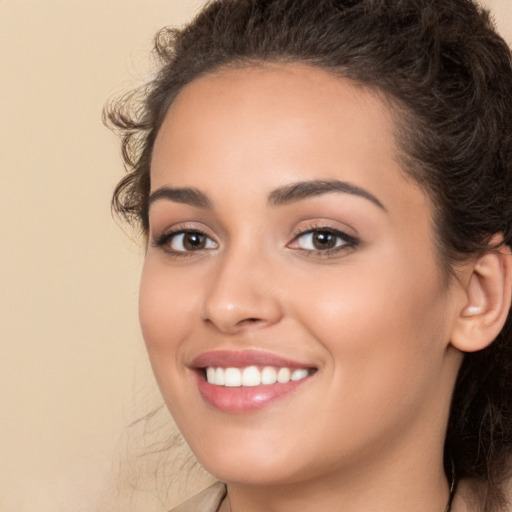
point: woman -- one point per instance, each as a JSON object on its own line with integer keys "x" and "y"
{"x": 325, "y": 187}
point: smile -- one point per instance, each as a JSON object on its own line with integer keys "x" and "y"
{"x": 252, "y": 376}
{"x": 245, "y": 381}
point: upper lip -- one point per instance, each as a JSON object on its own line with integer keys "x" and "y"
{"x": 243, "y": 358}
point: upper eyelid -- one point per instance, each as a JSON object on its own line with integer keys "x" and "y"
{"x": 326, "y": 225}
{"x": 180, "y": 227}
{"x": 336, "y": 231}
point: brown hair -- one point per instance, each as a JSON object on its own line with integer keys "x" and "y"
{"x": 448, "y": 75}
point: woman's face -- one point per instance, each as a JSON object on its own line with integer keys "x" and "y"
{"x": 286, "y": 242}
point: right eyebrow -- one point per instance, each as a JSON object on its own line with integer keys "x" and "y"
{"x": 306, "y": 189}
{"x": 190, "y": 196}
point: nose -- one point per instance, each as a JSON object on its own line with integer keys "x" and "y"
{"x": 242, "y": 293}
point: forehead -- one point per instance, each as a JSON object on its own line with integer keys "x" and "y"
{"x": 292, "y": 96}
{"x": 260, "y": 127}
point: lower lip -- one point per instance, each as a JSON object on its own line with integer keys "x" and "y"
{"x": 245, "y": 399}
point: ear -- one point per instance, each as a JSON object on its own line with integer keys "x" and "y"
{"x": 488, "y": 294}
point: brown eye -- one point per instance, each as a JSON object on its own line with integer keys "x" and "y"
{"x": 194, "y": 241}
{"x": 187, "y": 241}
{"x": 322, "y": 240}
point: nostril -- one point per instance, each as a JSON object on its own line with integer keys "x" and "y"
{"x": 249, "y": 321}
{"x": 239, "y": 323}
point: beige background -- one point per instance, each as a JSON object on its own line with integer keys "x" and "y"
{"x": 73, "y": 373}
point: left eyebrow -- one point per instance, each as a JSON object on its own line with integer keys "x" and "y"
{"x": 190, "y": 196}
{"x": 306, "y": 189}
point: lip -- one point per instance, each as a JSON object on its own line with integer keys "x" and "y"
{"x": 240, "y": 359}
{"x": 239, "y": 400}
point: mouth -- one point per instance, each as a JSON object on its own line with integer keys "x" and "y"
{"x": 239, "y": 382}
{"x": 251, "y": 376}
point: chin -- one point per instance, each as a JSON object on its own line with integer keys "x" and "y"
{"x": 258, "y": 473}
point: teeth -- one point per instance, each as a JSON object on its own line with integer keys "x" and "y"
{"x": 232, "y": 377}
{"x": 284, "y": 375}
{"x": 299, "y": 374}
{"x": 253, "y": 376}
{"x": 269, "y": 375}
{"x": 210, "y": 374}
{"x": 219, "y": 377}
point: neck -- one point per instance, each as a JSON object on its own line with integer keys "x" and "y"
{"x": 386, "y": 488}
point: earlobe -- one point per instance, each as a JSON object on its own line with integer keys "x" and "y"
{"x": 487, "y": 301}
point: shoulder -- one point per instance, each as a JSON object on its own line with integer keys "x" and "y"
{"x": 208, "y": 500}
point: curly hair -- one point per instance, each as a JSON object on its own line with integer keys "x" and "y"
{"x": 448, "y": 77}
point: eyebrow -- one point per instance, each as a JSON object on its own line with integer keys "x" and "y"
{"x": 306, "y": 189}
{"x": 279, "y": 197}
{"x": 190, "y": 196}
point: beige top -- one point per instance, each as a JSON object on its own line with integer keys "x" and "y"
{"x": 212, "y": 498}
{"x": 208, "y": 500}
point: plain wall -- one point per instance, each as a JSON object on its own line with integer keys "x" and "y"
{"x": 73, "y": 372}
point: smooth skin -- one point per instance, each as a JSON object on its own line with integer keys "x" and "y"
{"x": 370, "y": 309}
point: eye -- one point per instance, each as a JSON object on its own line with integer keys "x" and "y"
{"x": 186, "y": 241}
{"x": 323, "y": 240}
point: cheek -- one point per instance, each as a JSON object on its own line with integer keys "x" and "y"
{"x": 380, "y": 325}
{"x": 385, "y": 342}
{"x": 164, "y": 311}
{"x": 166, "y": 306}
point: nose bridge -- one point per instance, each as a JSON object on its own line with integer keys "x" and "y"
{"x": 241, "y": 292}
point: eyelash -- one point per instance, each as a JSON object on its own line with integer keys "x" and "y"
{"x": 164, "y": 242}
{"x": 348, "y": 241}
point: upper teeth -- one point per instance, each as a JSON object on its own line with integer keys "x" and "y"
{"x": 253, "y": 376}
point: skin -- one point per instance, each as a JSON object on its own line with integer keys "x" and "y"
{"x": 375, "y": 319}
